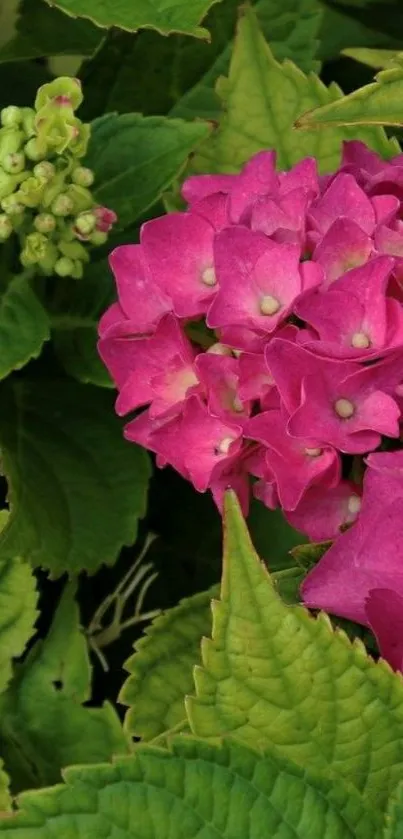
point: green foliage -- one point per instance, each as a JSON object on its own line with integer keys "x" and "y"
{"x": 131, "y": 15}
{"x": 76, "y": 488}
{"x": 44, "y": 723}
{"x": 375, "y": 58}
{"x": 136, "y": 158}
{"x": 24, "y": 325}
{"x": 44, "y": 31}
{"x": 262, "y": 99}
{"x": 5, "y": 799}
{"x": 375, "y": 104}
{"x": 274, "y": 675}
{"x": 195, "y": 789}
{"x": 394, "y": 815}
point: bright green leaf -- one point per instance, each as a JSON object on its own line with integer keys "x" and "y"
{"x": 24, "y": 325}
{"x": 76, "y": 487}
{"x": 375, "y": 58}
{"x": 43, "y": 723}
{"x": 5, "y": 798}
{"x": 394, "y": 815}
{"x": 262, "y": 99}
{"x": 165, "y": 16}
{"x": 272, "y": 674}
{"x": 18, "y": 599}
{"x": 379, "y": 103}
{"x": 136, "y": 158}
{"x": 42, "y": 31}
{"x": 195, "y": 790}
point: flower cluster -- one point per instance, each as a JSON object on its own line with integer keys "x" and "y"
{"x": 44, "y": 190}
{"x": 262, "y": 331}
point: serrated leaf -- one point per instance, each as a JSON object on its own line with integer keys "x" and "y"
{"x": 394, "y": 815}
{"x": 163, "y": 15}
{"x": 24, "y": 325}
{"x": 41, "y": 31}
{"x": 18, "y": 600}
{"x": 274, "y": 674}
{"x": 375, "y": 58}
{"x": 44, "y": 725}
{"x": 74, "y": 314}
{"x": 195, "y": 790}
{"x": 161, "y": 669}
{"x": 261, "y": 101}
{"x": 379, "y": 103}
{"x": 136, "y": 158}
{"x": 76, "y": 488}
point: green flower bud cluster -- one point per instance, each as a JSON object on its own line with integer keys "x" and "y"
{"x": 45, "y": 192}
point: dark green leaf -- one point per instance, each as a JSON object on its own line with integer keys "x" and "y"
{"x": 24, "y": 325}
{"x": 42, "y": 31}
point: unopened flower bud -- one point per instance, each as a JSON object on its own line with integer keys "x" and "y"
{"x": 12, "y": 206}
{"x": 81, "y": 137}
{"x": 78, "y": 271}
{"x": 73, "y": 249}
{"x": 48, "y": 262}
{"x": 11, "y": 116}
{"x": 8, "y": 183}
{"x": 45, "y": 170}
{"x": 11, "y": 140}
{"x": 81, "y": 198}
{"x": 45, "y": 222}
{"x": 61, "y": 92}
{"x": 35, "y": 149}
{"x": 14, "y": 163}
{"x": 98, "y": 237}
{"x": 6, "y": 228}
{"x": 64, "y": 267}
{"x": 35, "y": 249}
{"x": 62, "y": 205}
{"x": 82, "y": 176}
{"x": 28, "y": 121}
{"x": 31, "y": 191}
{"x": 84, "y": 225}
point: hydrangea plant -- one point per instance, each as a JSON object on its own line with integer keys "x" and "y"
{"x": 201, "y": 333}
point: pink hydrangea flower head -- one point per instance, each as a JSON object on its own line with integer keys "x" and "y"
{"x": 141, "y": 299}
{"x": 322, "y": 515}
{"x": 343, "y": 247}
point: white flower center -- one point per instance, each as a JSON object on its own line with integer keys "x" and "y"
{"x": 269, "y": 305}
{"x": 344, "y": 408}
{"x": 237, "y": 405}
{"x": 360, "y": 341}
{"x": 354, "y": 504}
{"x": 223, "y": 447}
{"x": 219, "y": 349}
{"x": 208, "y": 277}
{"x": 313, "y": 452}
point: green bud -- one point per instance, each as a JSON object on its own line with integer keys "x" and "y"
{"x": 35, "y": 149}
{"x": 98, "y": 237}
{"x": 82, "y": 133}
{"x": 82, "y": 176}
{"x": 64, "y": 267}
{"x": 11, "y": 205}
{"x": 35, "y": 249}
{"x": 31, "y": 191}
{"x": 47, "y": 264}
{"x": 78, "y": 271}
{"x": 56, "y": 130}
{"x": 11, "y": 140}
{"x": 81, "y": 198}
{"x": 11, "y": 116}
{"x": 62, "y": 205}
{"x": 74, "y": 250}
{"x": 45, "y": 170}
{"x": 62, "y": 92}
{"x": 45, "y": 222}
{"x": 28, "y": 121}
{"x": 14, "y": 163}
{"x": 6, "y": 228}
{"x": 54, "y": 187}
{"x": 8, "y": 183}
{"x": 85, "y": 224}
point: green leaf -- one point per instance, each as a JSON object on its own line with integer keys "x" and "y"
{"x": 24, "y": 325}
{"x": 195, "y": 790}
{"x": 44, "y": 725}
{"x": 379, "y": 103}
{"x": 162, "y": 15}
{"x": 74, "y": 314}
{"x": 262, "y": 99}
{"x": 76, "y": 487}
{"x": 340, "y": 30}
{"x": 394, "y": 815}
{"x": 5, "y": 798}
{"x": 136, "y": 158}
{"x": 272, "y": 674}
{"x": 41, "y": 31}
{"x": 375, "y": 58}
{"x": 18, "y": 600}
{"x": 292, "y": 31}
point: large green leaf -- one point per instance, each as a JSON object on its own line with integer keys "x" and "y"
{"x": 76, "y": 488}
{"x": 24, "y": 325}
{"x": 195, "y": 790}
{"x": 18, "y": 599}
{"x": 136, "y": 158}
{"x": 42, "y": 31}
{"x": 379, "y": 103}
{"x": 274, "y": 674}
{"x": 164, "y": 15}
{"x": 261, "y": 101}
{"x": 394, "y": 815}
{"x": 44, "y": 725}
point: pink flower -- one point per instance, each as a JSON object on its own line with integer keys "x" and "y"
{"x": 141, "y": 299}
{"x": 105, "y": 219}
{"x": 321, "y": 515}
{"x": 219, "y": 376}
